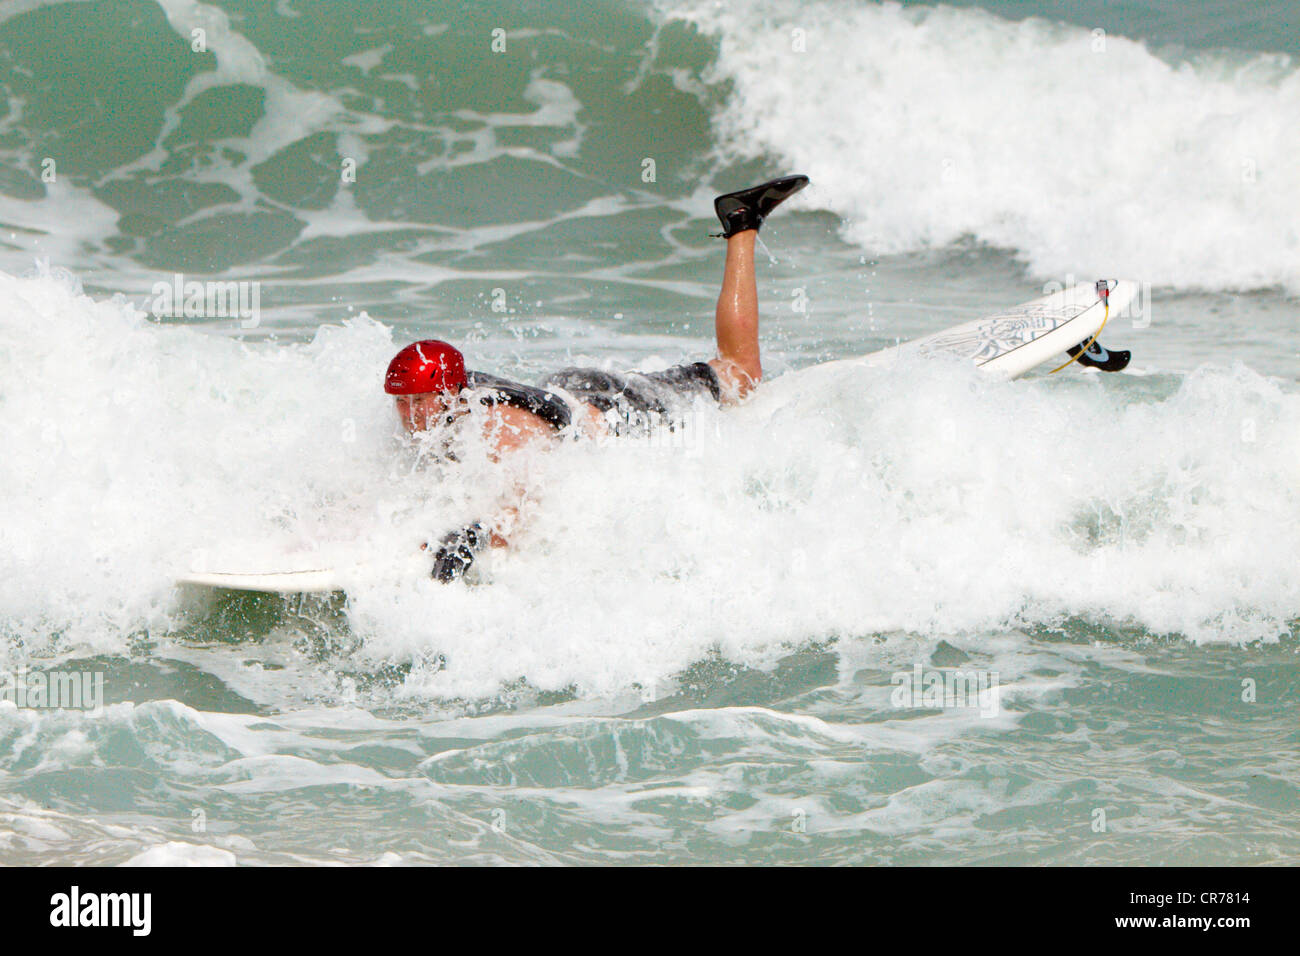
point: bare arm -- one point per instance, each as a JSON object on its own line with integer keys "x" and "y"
{"x": 506, "y": 429}
{"x": 509, "y": 429}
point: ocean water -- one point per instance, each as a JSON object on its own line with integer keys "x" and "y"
{"x": 697, "y": 651}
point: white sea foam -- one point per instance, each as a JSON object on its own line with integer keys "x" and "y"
{"x": 1085, "y": 154}
{"x": 821, "y": 509}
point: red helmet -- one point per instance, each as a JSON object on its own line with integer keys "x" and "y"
{"x": 428, "y": 366}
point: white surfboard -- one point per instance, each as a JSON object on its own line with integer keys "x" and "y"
{"x": 306, "y": 572}
{"x": 1013, "y": 341}
{"x": 304, "y": 581}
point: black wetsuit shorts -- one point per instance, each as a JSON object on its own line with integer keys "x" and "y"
{"x": 640, "y": 400}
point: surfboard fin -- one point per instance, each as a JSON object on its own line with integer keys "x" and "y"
{"x": 1100, "y": 357}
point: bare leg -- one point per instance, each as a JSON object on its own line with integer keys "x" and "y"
{"x": 736, "y": 320}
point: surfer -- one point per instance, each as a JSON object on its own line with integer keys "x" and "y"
{"x": 431, "y": 386}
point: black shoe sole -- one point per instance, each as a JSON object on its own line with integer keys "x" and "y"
{"x": 1115, "y": 361}
{"x": 747, "y": 208}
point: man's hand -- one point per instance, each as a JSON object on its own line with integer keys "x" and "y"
{"x": 457, "y": 550}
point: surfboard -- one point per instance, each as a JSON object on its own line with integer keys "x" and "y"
{"x": 1013, "y": 341}
{"x": 303, "y": 581}
{"x": 306, "y": 572}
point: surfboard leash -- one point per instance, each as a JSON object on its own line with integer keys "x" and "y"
{"x": 1103, "y": 293}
